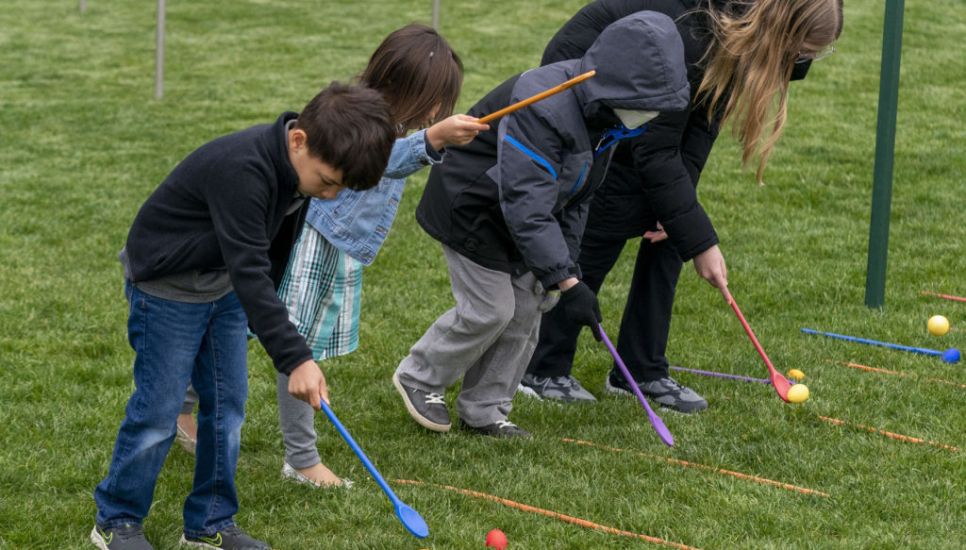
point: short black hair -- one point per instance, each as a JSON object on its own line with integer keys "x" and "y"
{"x": 350, "y": 128}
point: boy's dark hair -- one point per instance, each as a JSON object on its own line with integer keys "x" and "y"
{"x": 415, "y": 70}
{"x": 350, "y": 128}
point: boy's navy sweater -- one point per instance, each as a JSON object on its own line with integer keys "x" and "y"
{"x": 224, "y": 206}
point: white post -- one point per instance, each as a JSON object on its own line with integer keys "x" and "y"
{"x": 159, "y": 54}
{"x": 436, "y": 14}
{"x": 82, "y": 4}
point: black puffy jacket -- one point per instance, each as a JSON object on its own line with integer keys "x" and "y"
{"x": 654, "y": 177}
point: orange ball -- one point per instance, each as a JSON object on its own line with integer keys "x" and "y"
{"x": 496, "y": 539}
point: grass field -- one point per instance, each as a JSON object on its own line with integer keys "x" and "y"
{"x": 83, "y": 143}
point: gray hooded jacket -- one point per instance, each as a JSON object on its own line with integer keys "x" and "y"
{"x": 516, "y": 198}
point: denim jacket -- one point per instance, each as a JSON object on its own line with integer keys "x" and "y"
{"x": 357, "y": 222}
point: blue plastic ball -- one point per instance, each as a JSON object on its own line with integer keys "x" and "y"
{"x": 951, "y": 355}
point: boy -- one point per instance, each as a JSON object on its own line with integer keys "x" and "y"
{"x": 202, "y": 262}
{"x": 510, "y": 209}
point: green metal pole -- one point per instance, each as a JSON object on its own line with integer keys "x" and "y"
{"x": 885, "y": 146}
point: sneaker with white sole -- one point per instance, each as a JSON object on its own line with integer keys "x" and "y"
{"x": 665, "y": 391}
{"x": 123, "y": 537}
{"x": 558, "y": 388}
{"x": 229, "y": 538}
{"x": 289, "y": 472}
{"x": 428, "y": 409}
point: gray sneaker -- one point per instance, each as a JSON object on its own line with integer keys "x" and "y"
{"x": 665, "y": 391}
{"x": 229, "y": 538}
{"x": 123, "y": 537}
{"x": 502, "y": 429}
{"x": 427, "y": 408}
{"x": 559, "y": 388}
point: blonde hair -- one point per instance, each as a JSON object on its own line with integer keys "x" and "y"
{"x": 749, "y": 64}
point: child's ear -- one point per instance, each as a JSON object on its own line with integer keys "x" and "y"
{"x": 297, "y": 139}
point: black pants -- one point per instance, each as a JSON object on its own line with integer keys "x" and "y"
{"x": 647, "y": 315}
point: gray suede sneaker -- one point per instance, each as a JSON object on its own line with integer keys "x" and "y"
{"x": 427, "y": 408}
{"x": 229, "y": 538}
{"x": 665, "y": 391}
{"x": 558, "y": 388}
{"x": 503, "y": 429}
{"x": 123, "y": 537}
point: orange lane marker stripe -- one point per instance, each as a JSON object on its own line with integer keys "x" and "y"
{"x": 944, "y": 296}
{"x": 686, "y": 464}
{"x": 550, "y": 514}
{"x": 897, "y": 373}
{"x": 898, "y": 437}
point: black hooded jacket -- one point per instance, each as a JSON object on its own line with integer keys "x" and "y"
{"x": 516, "y": 198}
{"x": 654, "y": 177}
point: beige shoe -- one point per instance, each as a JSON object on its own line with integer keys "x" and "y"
{"x": 185, "y": 440}
{"x": 288, "y": 472}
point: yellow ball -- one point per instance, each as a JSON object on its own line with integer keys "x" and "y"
{"x": 938, "y": 325}
{"x": 798, "y": 393}
{"x": 796, "y": 375}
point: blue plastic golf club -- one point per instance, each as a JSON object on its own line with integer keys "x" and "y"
{"x": 951, "y": 355}
{"x": 411, "y": 520}
{"x": 656, "y": 421}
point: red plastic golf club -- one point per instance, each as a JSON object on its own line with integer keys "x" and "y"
{"x": 779, "y": 382}
{"x": 656, "y": 421}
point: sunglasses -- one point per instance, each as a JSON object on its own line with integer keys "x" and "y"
{"x": 815, "y": 56}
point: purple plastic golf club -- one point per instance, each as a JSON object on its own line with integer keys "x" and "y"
{"x": 656, "y": 421}
{"x": 723, "y": 375}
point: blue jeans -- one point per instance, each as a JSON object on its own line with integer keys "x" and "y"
{"x": 177, "y": 343}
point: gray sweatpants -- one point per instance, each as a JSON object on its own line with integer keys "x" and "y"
{"x": 295, "y": 417}
{"x": 487, "y": 338}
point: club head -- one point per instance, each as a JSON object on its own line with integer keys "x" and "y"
{"x": 781, "y": 384}
{"x": 661, "y": 429}
{"x": 411, "y": 520}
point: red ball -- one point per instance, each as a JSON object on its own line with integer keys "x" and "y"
{"x": 496, "y": 539}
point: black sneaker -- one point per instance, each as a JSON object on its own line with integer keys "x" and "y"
{"x": 123, "y": 537}
{"x": 232, "y": 538}
{"x": 503, "y": 429}
{"x": 665, "y": 391}
{"x": 559, "y": 388}
{"x": 426, "y": 408}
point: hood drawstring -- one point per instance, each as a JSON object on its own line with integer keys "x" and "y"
{"x": 613, "y": 135}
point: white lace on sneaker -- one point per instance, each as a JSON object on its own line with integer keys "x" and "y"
{"x": 435, "y": 399}
{"x": 505, "y": 424}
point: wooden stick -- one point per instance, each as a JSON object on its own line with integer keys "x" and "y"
{"x": 549, "y": 513}
{"x": 686, "y": 464}
{"x": 535, "y": 98}
{"x": 891, "y": 435}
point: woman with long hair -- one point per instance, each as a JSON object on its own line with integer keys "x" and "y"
{"x": 741, "y": 56}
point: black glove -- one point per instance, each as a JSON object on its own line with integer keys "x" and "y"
{"x": 580, "y": 305}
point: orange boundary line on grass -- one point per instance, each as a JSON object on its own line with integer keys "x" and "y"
{"x": 686, "y": 464}
{"x": 550, "y": 514}
{"x": 943, "y": 296}
{"x": 897, "y": 373}
{"x": 898, "y": 437}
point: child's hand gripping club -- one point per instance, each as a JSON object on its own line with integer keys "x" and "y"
{"x": 580, "y": 305}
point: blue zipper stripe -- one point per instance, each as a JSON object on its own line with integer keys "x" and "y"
{"x": 580, "y": 178}
{"x": 530, "y": 153}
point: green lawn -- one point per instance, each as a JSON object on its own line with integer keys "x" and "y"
{"x": 83, "y": 143}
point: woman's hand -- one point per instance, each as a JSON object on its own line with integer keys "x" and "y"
{"x": 711, "y": 267}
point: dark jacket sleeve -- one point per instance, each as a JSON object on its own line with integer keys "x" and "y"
{"x": 669, "y": 185}
{"x": 528, "y": 162}
{"x": 572, "y": 222}
{"x": 577, "y": 35}
{"x": 239, "y": 210}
